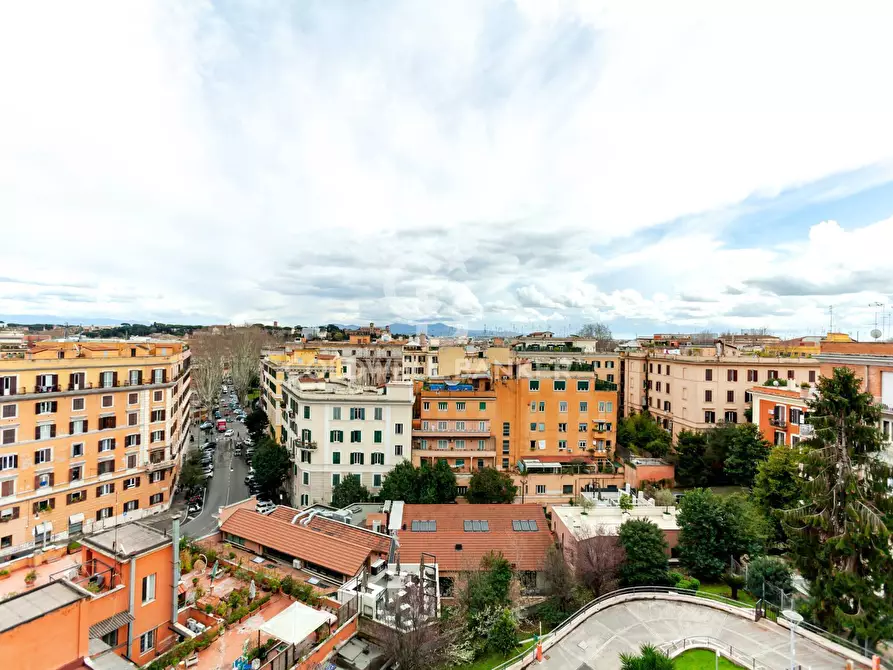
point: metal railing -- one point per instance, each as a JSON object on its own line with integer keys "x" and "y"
{"x": 673, "y": 649}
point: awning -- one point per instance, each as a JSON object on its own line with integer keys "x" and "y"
{"x": 76, "y": 518}
{"x": 41, "y": 528}
{"x": 114, "y": 622}
{"x": 295, "y": 623}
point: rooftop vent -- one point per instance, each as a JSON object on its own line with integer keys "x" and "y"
{"x": 458, "y": 547}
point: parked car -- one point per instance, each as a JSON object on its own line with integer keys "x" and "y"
{"x": 229, "y": 433}
{"x": 207, "y": 425}
{"x": 237, "y": 451}
{"x": 209, "y": 473}
{"x": 209, "y": 445}
{"x": 249, "y": 479}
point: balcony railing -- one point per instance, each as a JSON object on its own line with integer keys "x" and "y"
{"x": 87, "y": 386}
{"x": 303, "y": 444}
{"x": 778, "y": 423}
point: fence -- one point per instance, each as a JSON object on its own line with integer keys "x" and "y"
{"x": 673, "y": 649}
{"x": 769, "y": 592}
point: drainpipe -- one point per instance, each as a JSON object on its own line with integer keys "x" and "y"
{"x": 175, "y": 537}
{"x": 132, "y": 607}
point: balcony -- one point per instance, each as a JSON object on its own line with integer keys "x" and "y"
{"x": 778, "y": 423}
{"x": 601, "y": 428}
{"x": 452, "y": 431}
{"x": 601, "y": 385}
{"x": 807, "y": 430}
{"x": 303, "y": 444}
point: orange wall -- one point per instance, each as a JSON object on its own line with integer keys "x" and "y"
{"x": 49, "y": 642}
{"x": 343, "y": 634}
{"x": 157, "y": 613}
{"x": 638, "y": 476}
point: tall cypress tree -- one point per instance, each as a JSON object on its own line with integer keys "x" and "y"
{"x": 841, "y": 536}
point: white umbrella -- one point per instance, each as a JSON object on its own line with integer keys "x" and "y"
{"x": 252, "y": 590}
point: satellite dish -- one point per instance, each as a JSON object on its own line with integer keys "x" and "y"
{"x": 875, "y": 333}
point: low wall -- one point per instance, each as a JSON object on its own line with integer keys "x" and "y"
{"x": 377, "y": 632}
{"x": 35, "y": 559}
{"x": 322, "y": 652}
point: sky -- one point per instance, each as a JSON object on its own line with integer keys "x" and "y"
{"x": 522, "y": 165}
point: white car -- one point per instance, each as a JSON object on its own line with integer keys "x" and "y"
{"x": 228, "y": 433}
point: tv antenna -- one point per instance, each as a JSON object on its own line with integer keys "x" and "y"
{"x": 876, "y": 332}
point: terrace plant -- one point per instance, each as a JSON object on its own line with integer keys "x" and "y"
{"x": 31, "y": 577}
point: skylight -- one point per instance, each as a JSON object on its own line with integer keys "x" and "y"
{"x": 475, "y": 526}
{"x": 524, "y": 525}
{"x": 424, "y": 526}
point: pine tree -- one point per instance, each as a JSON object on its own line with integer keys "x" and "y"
{"x": 841, "y": 535}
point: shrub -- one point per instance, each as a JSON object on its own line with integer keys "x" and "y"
{"x": 231, "y": 555}
{"x": 236, "y": 614}
{"x": 274, "y": 584}
{"x": 74, "y": 545}
{"x": 503, "y": 636}
{"x": 209, "y": 608}
{"x": 774, "y": 571}
{"x": 4, "y": 572}
{"x": 288, "y": 584}
{"x": 691, "y": 584}
{"x": 221, "y": 609}
{"x": 185, "y": 561}
{"x": 675, "y": 577}
{"x": 31, "y": 577}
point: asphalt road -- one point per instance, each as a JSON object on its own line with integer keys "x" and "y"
{"x": 226, "y": 486}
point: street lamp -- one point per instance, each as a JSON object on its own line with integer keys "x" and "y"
{"x": 794, "y": 619}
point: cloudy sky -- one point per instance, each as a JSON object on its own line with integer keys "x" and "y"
{"x": 525, "y": 164}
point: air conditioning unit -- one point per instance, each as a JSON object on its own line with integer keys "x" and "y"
{"x": 297, "y": 564}
{"x": 6, "y": 515}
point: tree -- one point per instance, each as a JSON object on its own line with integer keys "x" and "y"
{"x": 191, "y": 474}
{"x": 841, "y": 535}
{"x": 646, "y": 551}
{"x": 245, "y": 345}
{"x": 206, "y": 369}
{"x": 772, "y": 571}
{"x": 747, "y": 450}
{"x": 256, "y": 424}
{"x": 348, "y": 491}
{"x": 691, "y": 464}
{"x": 719, "y": 442}
{"x": 559, "y": 580}
{"x": 778, "y": 486}
{"x": 489, "y": 485}
{"x": 420, "y": 640}
{"x": 665, "y": 498}
{"x": 596, "y": 331}
{"x": 648, "y": 658}
{"x": 713, "y": 529}
{"x": 626, "y": 502}
{"x": 488, "y": 586}
{"x": 272, "y": 465}
{"x": 641, "y": 434}
{"x": 599, "y": 558}
{"x": 504, "y": 636}
{"x": 422, "y": 485}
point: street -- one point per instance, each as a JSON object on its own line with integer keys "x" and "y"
{"x": 228, "y": 483}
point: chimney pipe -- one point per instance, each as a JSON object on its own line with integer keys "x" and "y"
{"x": 175, "y": 537}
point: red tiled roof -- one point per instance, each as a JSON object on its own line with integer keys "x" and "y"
{"x": 779, "y": 391}
{"x": 525, "y": 549}
{"x": 355, "y": 534}
{"x": 340, "y": 554}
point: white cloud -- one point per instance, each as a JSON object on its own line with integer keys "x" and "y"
{"x": 462, "y": 161}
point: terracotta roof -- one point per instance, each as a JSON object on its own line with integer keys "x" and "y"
{"x": 525, "y": 549}
{"x": 355, "y": 534}
{"x": 779, "y": 391}
{"x": 342, "y": 555}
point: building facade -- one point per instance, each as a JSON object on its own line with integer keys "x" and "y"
{"x": 336, "y": 429}
{"x": 701, "y": 387}
{"x": 91, "y": 434}
{"x": 781, "y": 414}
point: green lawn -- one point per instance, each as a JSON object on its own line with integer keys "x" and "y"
{"x": 744, "y": 597}
{"x": 492, "y": 659}
{"x": 702, "y": 659}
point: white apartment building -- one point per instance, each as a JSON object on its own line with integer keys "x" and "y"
{"x": 336, "y": 429}
{"x": 419, "y": 360}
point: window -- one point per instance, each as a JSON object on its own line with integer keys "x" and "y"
{"x": 133, "y": 398}
{"x": 559, "y": 385}
{"x": 356, "y": 458}
{"x": 527, "y": 525}
{"x": 506, "y": 429}
{"x": 708, "y": 396}
{"x": 442, "y": 444}
{"x": 657, "y": 386}
{"x": 131, "y": 505}
{"x": 376, "y": 481}
{"x": 398, "y": 450}
{"x": 460, "y": 444}
{"x": 377, "y": 458}
{"x": 157, "y": 436}
{"x": 157, "y": 396}
{"x": 533, "y": 385}
{"x": 131, "y": 483}
{"x": 582, "y": 384}
{"x": 709, "y": 416}
{"x": 732, "y": 375}
{"x": 357, "y": 413}
{"x": 540, "y": 489}
{"x": 356, "y": 436}
{"x": 8, "y": 488}
{"x": 148, "y": 591}
{"x": 43, "y": 456}
{"x": 460, "y": 426}
{"x": 812, "y": 376}
{"x": 155, "y": 477}
{"x": 730, "y": 396}
{"x": 336, "y": 458}
{"x": 731, "y": 417}
{"x": 45, "y": 432}
{"x": 132, "y": 440}
{"x": 336, "y": 413}
{"x": 772, "y": 374}
{"x": 582, "y": 427}
{"x": 157, "y": 415}
{"x": 131, "y": 463}
{"x": 790, "y": 374}
{"x": 46, "y": 407}
{"x": 581, "y": 444}
{"x": 376, "y": 436}
{"x": 105, "y": 489}
{"x": 10, "y": 411}
{"x": 107, "y": 379}
{"x": 752, "y": 376}
{"x": 708, "y": 375}
{"x": 562, "y": 427}
{"x": 426, "y": 405}
{"x": 336, "y": 436}
{"x": 104, "y": 513}
{"x": 562, "y": 445}
{"x": 305, "y": 478}
{"x": 398, "y": 429}
{"x": 441, "y": 407}
{"x": 336, "y": 479}
{"x": 562, "y": 407}
{"x": 107, "y": 422}
{"x": 107, "y": 444}
{"x": 76, "y": 497}
{"x": 106, "y": 467}
{"x": 423, "y": 526}
{"x": 156, "y": 498}
{"x": 147, "y": 640}
{"x": 9, "y": 462}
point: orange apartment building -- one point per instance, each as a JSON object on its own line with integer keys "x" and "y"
{"x": 115, "y": 606}
{"x": 781, "y": 414}
{"x": 91, "y": 433}
{"x": 558, "y": 425}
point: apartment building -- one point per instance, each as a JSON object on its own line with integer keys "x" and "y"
{"x": 781, "y": 414}
{"x": 698, "y": 387}
{"x": 90, "y": 435}
{"x": 280, "y": 364}
{"x": 456, "y": 423}
{"x": 873, "y": 364}
{"x": 114, "y": 609}
{"x": 336, "y": 429}
{"x": 420, "y": 361}
{"x": 365, "y": 362}
{"x": 456, "y": 360}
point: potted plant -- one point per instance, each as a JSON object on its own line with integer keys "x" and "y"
{"x": 73, "y": 546}
{"x": 4, "y": 574}
{"x": 31, "y": 577}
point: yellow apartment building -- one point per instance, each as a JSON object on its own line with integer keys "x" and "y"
{"x": 278, "y": 366}
{"x": 91, "y": 434}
